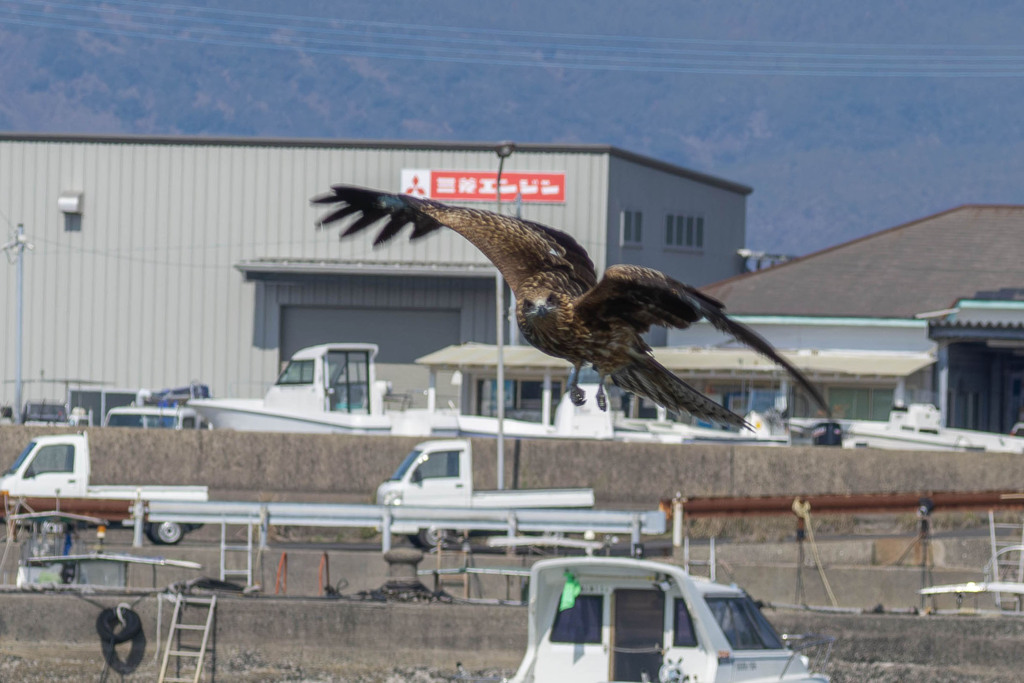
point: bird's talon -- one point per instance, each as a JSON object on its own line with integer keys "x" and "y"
{"x": 602, "y": 401}
{"x": 577, "y": 396}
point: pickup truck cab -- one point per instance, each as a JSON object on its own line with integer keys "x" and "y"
{"x": 59, "y": 466}
{"x": 155, "y": 417}
{"x": 440, "y": 474}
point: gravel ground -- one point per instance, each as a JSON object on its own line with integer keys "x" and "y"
{"x": 62, "y": 665}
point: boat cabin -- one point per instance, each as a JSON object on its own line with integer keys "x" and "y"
{"x": 328, "y": 378}
{"x": 622, "y": 619}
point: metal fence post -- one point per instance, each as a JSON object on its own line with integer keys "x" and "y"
{"x": 139, "y": 513}
{"x": 264, "y": 527}
{"x": 385, "y": 530}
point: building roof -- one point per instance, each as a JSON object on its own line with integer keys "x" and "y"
{"x": 926, "y": 265}
{"x": 267, "y": 268}
{"x": 553, "y": 148}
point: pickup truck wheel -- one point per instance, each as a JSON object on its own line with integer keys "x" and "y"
{"x": 165, "y": 533}
{"x": 431, "y": 537}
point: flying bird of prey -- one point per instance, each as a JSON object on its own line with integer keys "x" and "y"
{"x": 561, "y": 306}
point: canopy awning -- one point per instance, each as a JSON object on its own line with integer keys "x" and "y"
{"x": 700, "y": 361}
{"x": 268, "y": 268}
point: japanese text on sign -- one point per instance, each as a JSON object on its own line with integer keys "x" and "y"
{"x": 481, "y": 186}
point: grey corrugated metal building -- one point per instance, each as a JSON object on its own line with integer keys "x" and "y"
{"x": 173, "y": 259}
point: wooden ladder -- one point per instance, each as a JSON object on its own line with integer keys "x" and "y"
{"x": 179, "y": 651}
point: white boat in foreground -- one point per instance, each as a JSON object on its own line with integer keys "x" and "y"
{"x": 619, "y": 619}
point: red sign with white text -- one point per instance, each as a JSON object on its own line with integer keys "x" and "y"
{"x": 481, "y": 186}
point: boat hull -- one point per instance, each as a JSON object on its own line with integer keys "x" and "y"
{"x": 250, "y": 415}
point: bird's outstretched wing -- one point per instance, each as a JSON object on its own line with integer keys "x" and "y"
{"x": 519, "y": 249}
{"x": 643, "y": 297}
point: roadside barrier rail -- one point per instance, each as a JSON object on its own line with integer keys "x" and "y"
{"x": 385, "y": 518}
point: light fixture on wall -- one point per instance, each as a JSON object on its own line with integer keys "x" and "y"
{"x": 70, "y": 204}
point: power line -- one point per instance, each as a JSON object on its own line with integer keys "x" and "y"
{"x": 139, "y": 256}
{"x": 421, "y": 33}
{"x": 319, "y": 20}
{"x": 437, "y": 48}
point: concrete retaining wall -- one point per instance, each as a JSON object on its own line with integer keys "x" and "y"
{"x": 325, "y": 635}
{"x": 346, "y": 468}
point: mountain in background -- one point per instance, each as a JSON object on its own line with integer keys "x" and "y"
{"x": 845, "y": 118}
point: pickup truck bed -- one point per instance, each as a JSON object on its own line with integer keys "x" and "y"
{"x": 534, "y": 498}
{"x": 150, "y": 492}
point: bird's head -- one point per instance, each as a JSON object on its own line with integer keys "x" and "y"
{"x": 538, "y": 306}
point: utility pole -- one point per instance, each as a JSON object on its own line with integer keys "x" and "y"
{"x": 15, "y": 251}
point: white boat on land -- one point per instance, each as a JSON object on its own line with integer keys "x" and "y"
{"x": 325, "y": 388}
{"x": 619, "y": 619}
{"x": 331, "y": 388}
{"x": 918, "y": 426}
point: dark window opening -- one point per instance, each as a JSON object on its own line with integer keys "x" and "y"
{"x": 682, "y": 626}
{"x": 581, "y": 623}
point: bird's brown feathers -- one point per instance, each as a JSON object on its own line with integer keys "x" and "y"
{"x": 561, "y": 306}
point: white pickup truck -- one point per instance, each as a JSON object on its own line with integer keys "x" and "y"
{"x": 440, "y": 474}
{"x": 59, "y": 466}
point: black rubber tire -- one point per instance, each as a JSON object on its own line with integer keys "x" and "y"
{"x": 109, "y": 627}
{"x": 132, "y": 661}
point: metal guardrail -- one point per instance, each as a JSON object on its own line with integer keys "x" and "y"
{"x": 384, "y": 517}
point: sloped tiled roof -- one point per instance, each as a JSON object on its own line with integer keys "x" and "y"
{"x": 926, "y": 265}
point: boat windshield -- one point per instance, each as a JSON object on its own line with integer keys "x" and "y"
{"x": 743, "y": 624}
{"x": 21, "y": 458}
{"x": 297, "y": 372}
{"x": 409, "y": 461}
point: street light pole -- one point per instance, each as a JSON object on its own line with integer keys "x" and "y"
{"x": 504, "y": 151}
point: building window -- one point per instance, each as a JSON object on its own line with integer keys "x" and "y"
{"x": 684, "y": 231}
{"x": 860, "y": 403}
{"x": 632, "y": 227}
{"x": 523, "y": 398}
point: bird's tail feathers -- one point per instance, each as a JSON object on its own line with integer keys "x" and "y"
{"x": 648, "y": 378}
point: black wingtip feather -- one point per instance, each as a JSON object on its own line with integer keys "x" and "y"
{"x": 364, "y": 221}
{"x": 335, "y": 215}
{"x": 390, "y": 229}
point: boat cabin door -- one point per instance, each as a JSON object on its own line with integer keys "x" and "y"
{"x": 638, "y": 634}
{"x": 347, "y": 378}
